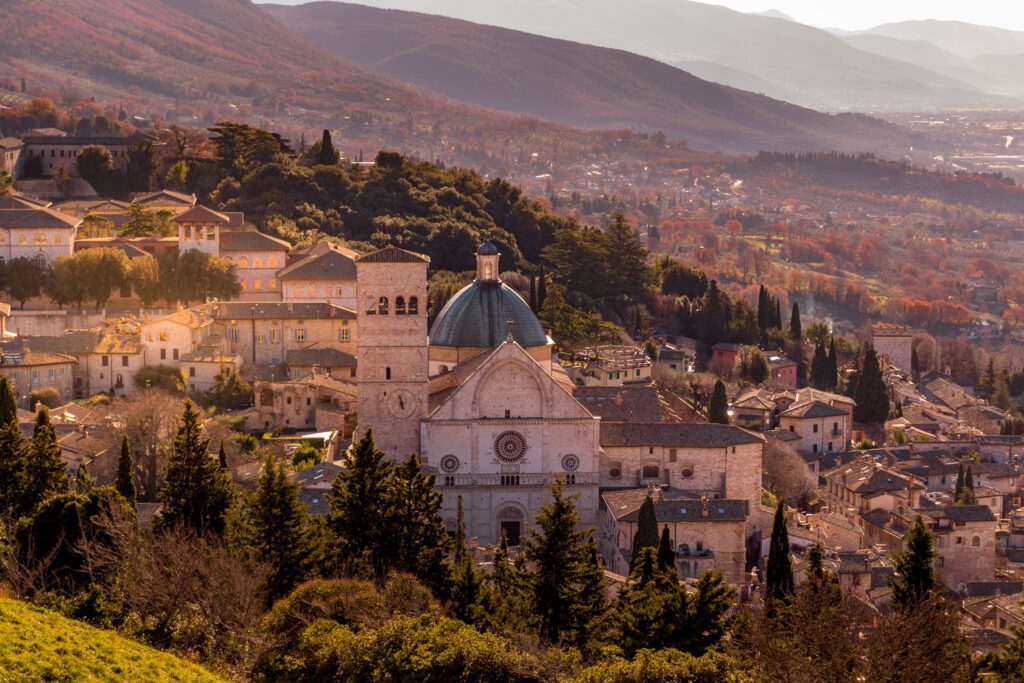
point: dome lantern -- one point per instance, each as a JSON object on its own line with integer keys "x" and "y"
{"x": 487, "y": 262}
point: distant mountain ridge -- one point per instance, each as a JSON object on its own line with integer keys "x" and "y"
{"x": 799, "y": 63}
{"x": 572, "y": 83}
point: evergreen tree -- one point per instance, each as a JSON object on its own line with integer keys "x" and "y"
{"x": 542, "y": 288}
{"x": 819, "y": 366}
{"x": 421, "y": 542}
{"x": 13, "y": 465}
{"x": 872, "y": 397}
{"x": 816, "y": 563}
{"x": 718, "y": 410}
{"x": 915, "y": 573}
{"x": 763, "y": 314}
{"x": 280, "y": 530}
{"x": 795, "y": 329}
{"x": 707, "y": 613}
{"x": 222, "y": 458}
{"x": 533, "y": 293}
{"x": 666, "y": 556}
{"x": 987, "y": 385}
{"x": 359, "y": 508}
{"x": 125, "y": 482}
{"x": 832, "y": 376}
{"x": 560, "y": 556}
{"x": 779, "y": 569}
{"x": 461, "y": 547}
{"x": 915, "y": 362}
{"x": 326, "y": 155}
{"x": 8, "y": 404}
{"x": 651, "y": 610}
{"x": 45, "y": 473}
{"x": 197, "y": 493}
{"x": 84, "y": 482}
{"x": 967, "y": 496}
{"x": 958, "y": 489}
{"x": 777, "y": 315}
{"x": 646, "y": 535}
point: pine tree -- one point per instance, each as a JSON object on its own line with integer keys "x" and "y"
{"x": 13, "y": 465}
{"x": 533, "y": 293}
{"x": 280, "y": 530}
{"x": 666, "y": 556}
{"x": 987, "y": 385}
{"x": 197, "y": 493}
{"x": 590, "y": 605}
{"x": 125, "y": 482}
{"x": 872, "y": 398}
{"x": 8, "y": 404}
{"x": 707, "y": 613}
{"x": 461, "y": 547}
{"x": 84, "y": 482}
{"x": 45, "y": 473}
{"x": 359, "y": 508}
{"x": 779, "y": 569}
{"x": 651, "y": 610}
{"x": 559, "y": 555}
{"x": 326, "y": 155}
{"x": 718, "y": 410}
{"x": 466, "y": 589}
{"x": 967, "y": 496}
{"x": 816, "y": 563}
{"x": 915, "y": 573}
{"x": 646, "y": 535}
{"x": 421, "y": 542}
{"x": 542, "y": 289}
{"x": 796, "y": 332}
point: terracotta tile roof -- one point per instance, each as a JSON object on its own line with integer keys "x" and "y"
{"x": 392, "y": 254}
{"x": 201, "y": 214}
{"x": 324, "y": 357}
{"x": 621, "y": 404}
{"x": 329, "y": 264}
{"x": 250, "y": 240}
{"x": 71, "y": 342}
{"x": 673, "y": 506}
{"x": 675, "y": 434}
{"x": 36, "y": 217}
{"x": 11, "y": 143}
{"x": 13, "y": 201}
{"x": 281, "y": 310}
{"x": 165, "y": 197}
{"x": 812, "y": 409}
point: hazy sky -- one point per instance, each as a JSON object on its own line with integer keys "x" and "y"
{"x": 867, "y": 13}
{"x": 845, "y": 14}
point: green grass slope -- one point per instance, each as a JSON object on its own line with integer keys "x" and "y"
{"x": 39, "y": 645}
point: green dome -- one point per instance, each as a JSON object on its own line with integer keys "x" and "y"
{"x": 478, "y": 316}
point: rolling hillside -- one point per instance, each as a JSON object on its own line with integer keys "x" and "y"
{"x": 802, "y": 64}
{"x": 573, "y": 84}
{"x": 39, "y": 645}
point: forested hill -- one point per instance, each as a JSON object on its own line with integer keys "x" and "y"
{"x": 576, "y": 84}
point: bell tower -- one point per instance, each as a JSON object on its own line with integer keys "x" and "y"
{"x": 391, "y": 347}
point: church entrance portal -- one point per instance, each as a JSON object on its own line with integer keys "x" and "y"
{"x": 510, "y": 522}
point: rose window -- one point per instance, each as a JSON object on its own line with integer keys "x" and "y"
{"x": 510, "y": 447}
{"x": 570, "y": 463}
{"x": 449, "y": 464}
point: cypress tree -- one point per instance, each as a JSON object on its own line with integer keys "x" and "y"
{"x": 832, "y": 370}
{"x": 84, "y": 482}
{"x": 461, "y": 548}
{"x": 45, "y": 473}
{"x": 646, "y": 535}
{"x": 967, "y": 496}
{"x": 651, "y": 610}
{"x": 533, "y": 293}
{"x": 915, "y": 363}
{"x": 359, "y": 507}
{"x": 779, "y": 569}
{"x": 915, "y": 573}
{"x": 777, "y": 315}
{"x": 666, "y": 556}
{"x": 222, "y": 458}
{"x": 125, "y": 482}
{"x": 197, "y": 493}
{"x": 958, "y": 489}
{"x": 326, "y": 155}
{"x": 763, "y": 315}
{"x": 280, "y": 532}
{"x": 872, "y": 397}
{"x": 8, "y": 405}
{"x": 542, "y": 289}
{"x": 819, "y": 366}
{"x": 718, "y": 411}
{"x": 796, "y": 332}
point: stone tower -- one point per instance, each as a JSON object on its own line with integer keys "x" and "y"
{"x": 391, "y": 347}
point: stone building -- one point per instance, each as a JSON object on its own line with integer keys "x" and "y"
{"x": 894, "y": 343}
{"x": 326, "y": 273}
{"x": 264, "y": 332}
{"x": 31, "y": 230}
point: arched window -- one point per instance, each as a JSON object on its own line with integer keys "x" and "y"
{"x": 371, "y": 307}
{"x": 399, "y": 305}
{"x": 488, "y": 271}
{"x": 414, "y": 306}
{"x": 243, "y": 262}
{"x": 649, "y": 472}
{"x": 41, "y": 260}
{"x": 267, "y": 397}
{"x": 382, "y": 306}
{"x": 976, "y": 541}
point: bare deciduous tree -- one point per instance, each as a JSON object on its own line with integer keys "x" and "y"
{"x": 786, "y": 473}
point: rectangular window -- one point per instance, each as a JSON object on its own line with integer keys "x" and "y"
{"x": 257, "y": 285}
{"x": 261, "y": 339}
{"x": 52, "y": 374}
{"x": 272, "y": 284}
{"x": 233, "y": 334}
{"x": 105, "y": 361}
{"x": 192, "y": 371}
{"x": 815, "y": 429}
{"x": 672, "y": 454}
{"x": 175, "y": 353}
{"x": 35, "y": 375}
{"x": 343, "y": 334}
{"x": 273, "y": 334}
{"x": 163, "y": 354}
{"x": 300, "y": 334}
{"x": 124, "y": 361}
